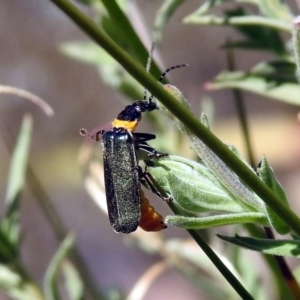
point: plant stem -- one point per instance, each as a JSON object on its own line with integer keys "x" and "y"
{"x": 137, "y": 47}
{"x": 182, "y": 113}
{"x": 232, "y": 280}
{"x": 283, "y": 289}
{"x": 61, "y": 232}
{"x": 241, "y": 110}
{"x": 220, "y": 265}
{"x": 285, "y": 270}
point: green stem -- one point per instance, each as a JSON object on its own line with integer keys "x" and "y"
{"x": 163, "y": 15}
{"x": 279, "y": 261}
{"x": 286, "y": 273}
{"x": 279, "y": 284}
{"x": 241, "y": 110}
{"x": 232, "y": 280}
{"x": 182, "y": 113}
{"x": 134, "y": 42}
{"x": 61, "y": 232}
{"x": 220, "y": 266}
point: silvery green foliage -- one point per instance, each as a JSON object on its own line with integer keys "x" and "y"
{"x": 266, "y": 173}
{"x": 289, "y": 247}
{"x": 196, "y": 190}
{"x": 209, "y": 186}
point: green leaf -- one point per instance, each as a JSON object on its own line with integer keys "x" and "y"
{"x": 274, "y": 247}
{"x": 8, "y": 278}
{"x": 113, "y": 29}
{"x": 12, "y": 283}
{"x": 258, "y": 37}
{"x": 286, "y": 92}
{"x": 120, "y": 29}
{"x": 87, "y": 2}
{"x": 18, "y": 166}
{"x": 217, "y": 220}
{"x": 9, "y": 225}
{"x": 296, "y": 273}
{"x": 87, "y": 52}
{"x": 220, "y": 172}
{"x": 266, "y": 173}
{"x": 193, "y": 187}
{"x": 8, "y": 245}
{"x": 50, "y": 287}
{"x": 230, "y": 180}
{"x": 248, "y": 21}
{"x": 207, "y": 6}
{"x": 275, "y": 9}
{"x": 73, "y": 282}
{"x": 164, "y": 13}
{"x": 196, "y": 190}
{"x": 276, "y": 72}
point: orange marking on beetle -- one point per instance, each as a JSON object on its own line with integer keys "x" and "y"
{"x": 129, "y": 125}
{"x": 150, "y": 220}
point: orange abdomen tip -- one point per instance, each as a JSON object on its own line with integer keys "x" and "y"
{"x": 150, "y": 220}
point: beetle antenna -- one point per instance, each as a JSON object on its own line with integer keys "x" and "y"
{"x": 163, "y": 75}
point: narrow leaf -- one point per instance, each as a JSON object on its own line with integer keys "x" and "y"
{"x": 260, "y": 36}
{"x": 273, "y": 247}
{"x": 9, "y": 233}
{"x": 234, "y": 21}
{"x": 218, "y": 170}
{"x": 73, "y": 282}
{"x": 286, "y": 92}
{"x": 163, "y": 15}
{"x": 10, "y": 228}
{"x": 18, "y": 165}
{"x": 50, "y": 287}
{"x": 216, "y": 220}
{"x": 229, "y": 179}
{"x": 276, "y": 9}
{"x": 12, "y": 283}
{"x": 267, "y": 175}
{"x": 193, "y": 187}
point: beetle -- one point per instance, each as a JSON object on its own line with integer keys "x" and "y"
{"x": 127, "y": 205}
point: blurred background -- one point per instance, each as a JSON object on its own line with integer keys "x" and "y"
{"x": 30, "y": 35}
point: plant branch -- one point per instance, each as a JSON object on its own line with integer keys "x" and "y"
{"x": 182, "y": 113}
{"x": 241, "y": 110}
{"x": 232, "y": 280}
